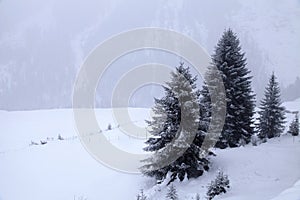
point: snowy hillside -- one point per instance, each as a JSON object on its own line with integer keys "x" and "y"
{"x": 62, "y": 169}
{"x": 291, "y": 193}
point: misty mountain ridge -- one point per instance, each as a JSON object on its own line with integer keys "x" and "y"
{"x": 43, "y": 44}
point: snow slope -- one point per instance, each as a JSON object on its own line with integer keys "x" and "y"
{"x": 64, "y": 170}
{"x": 291, "y": 193}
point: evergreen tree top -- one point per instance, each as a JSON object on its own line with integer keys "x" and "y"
{"x": 185, "y": 73}
{"x": 228, "y": 50}
{"x": 272, "y": 91}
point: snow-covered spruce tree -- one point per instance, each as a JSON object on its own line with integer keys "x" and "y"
{"x": 176, "y": 119}
{"x": 230, "y": 61}
{"x": 141, "y": 196}
{"x": 294, "y": 127}
{"x": 211, "y": 88}
{"x": 218, "y": 186}
{"x": 172, "y": 193}
{"x": 272, "y": 113}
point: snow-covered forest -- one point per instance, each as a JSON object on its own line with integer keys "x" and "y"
{"x": 149, "y": 125}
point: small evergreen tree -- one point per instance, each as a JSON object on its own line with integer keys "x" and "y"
{"x": 272, "y": 113}
{"x": 197, "y": 197}
{"x": 141, "y": 196}
{"x": 181, "y": 101}
{"x": 294, "y": 127}
{"x": 218, "y": 186}
{"x": 172, "y": 193}
{"x": 60, "y": 137}
{"x": 240, "y": 99}
{"x": 109, "y": 127}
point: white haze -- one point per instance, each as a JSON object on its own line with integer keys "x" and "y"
{"x": 43, "y": 43}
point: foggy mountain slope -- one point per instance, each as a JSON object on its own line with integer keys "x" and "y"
{"x": 43, "y": 44}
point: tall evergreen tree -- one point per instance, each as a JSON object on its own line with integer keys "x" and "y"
{"x": 272, "y": 113}
{"x": 176, "y": 119}
{"x": 230, "y": 61}
{"x": 294, "y": 127}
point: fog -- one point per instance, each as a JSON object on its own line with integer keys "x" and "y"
{"x": 43, "y": 43}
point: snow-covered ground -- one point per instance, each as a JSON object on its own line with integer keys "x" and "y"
{"x": 63, "y": 169}
{"x": 291, "y": 193}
